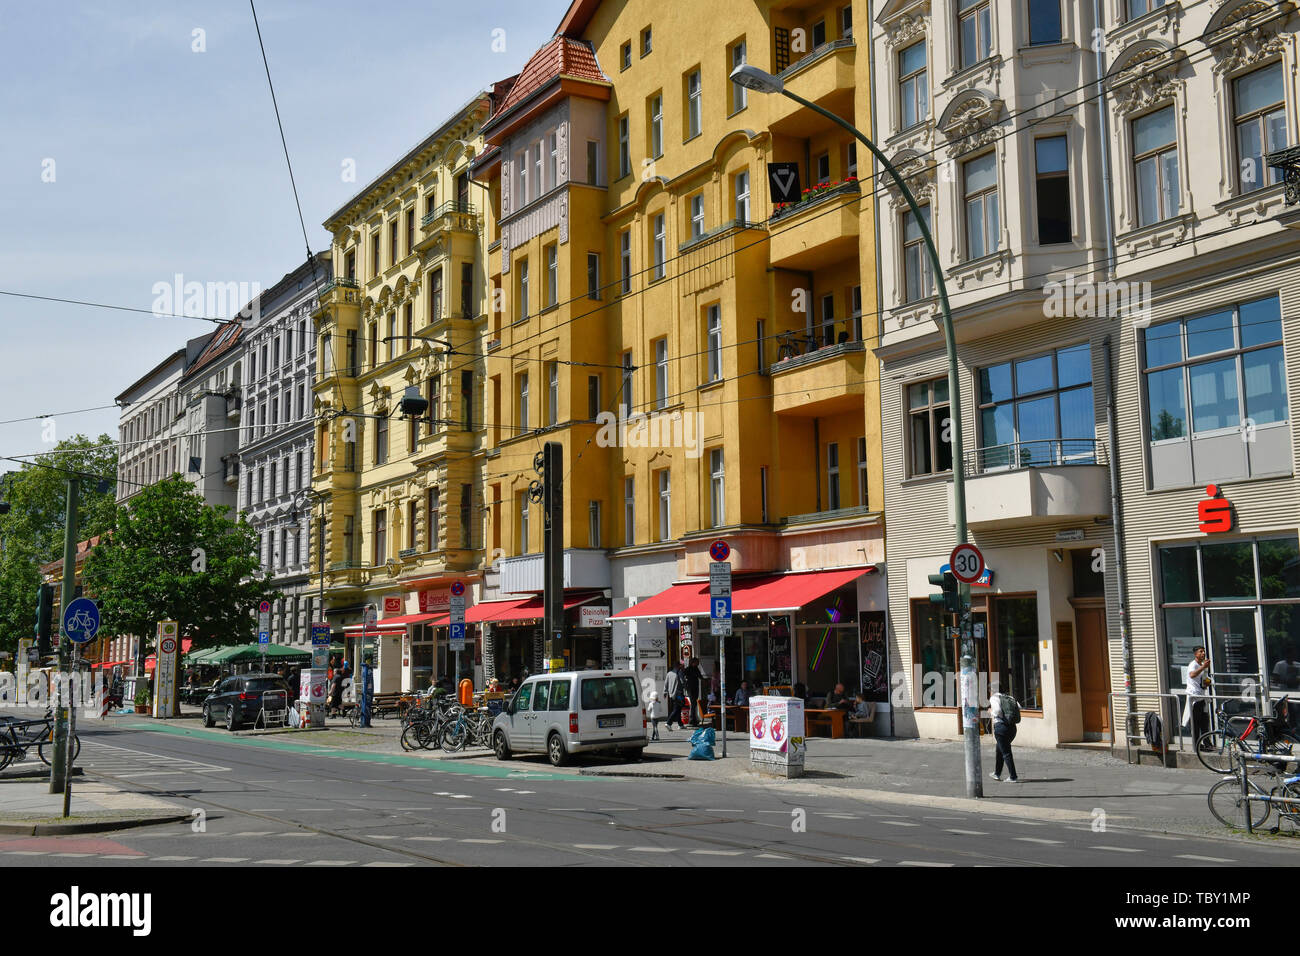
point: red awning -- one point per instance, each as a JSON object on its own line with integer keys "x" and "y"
{"x": 393, "y": 623}
{"x": 521, "y": 609}
{"x": 764, "y": 593}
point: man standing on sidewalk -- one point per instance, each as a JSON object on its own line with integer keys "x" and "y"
{"x": 1004, "y": 731}
{"x": 673, "y": 696}
{"x": 694, "y": 681}
{"x": 1198, "y": 693}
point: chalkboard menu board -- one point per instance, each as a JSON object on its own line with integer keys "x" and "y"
{"x": 875, "y": 656}
{"x": 780, "y": 672}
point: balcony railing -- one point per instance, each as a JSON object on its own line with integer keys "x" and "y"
{"x": 815, "y": 196}
{"x": 818, "y": 52}
{"x": 829, "y": 515}
{"x": 826, "y": 340}
{"x": 340, "y": 282}
{"x": 1044, "y": 453}
{"x": 451, "y": 207}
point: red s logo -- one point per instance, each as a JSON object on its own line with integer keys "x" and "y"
{"x": 1214, "y": 512}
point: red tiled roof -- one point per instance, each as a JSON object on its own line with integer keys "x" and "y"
{"x": 222, "y": 341}
{"x": 561, "y": 56}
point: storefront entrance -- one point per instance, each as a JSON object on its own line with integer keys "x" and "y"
{"x": 1094, "y": 669}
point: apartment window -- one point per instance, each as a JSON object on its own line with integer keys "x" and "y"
{"x": 1260, "y": 119}
{"x": 553, "y": 162}
{"x": 412, "y": 434}
{"x": 660, "y": 246}
{"x": 694, "y": 105}
{"x": 855, "y": 311}
{"x": 467, "y": 290}
{"x": 593, "y": 163}
{"x": 819, "y": 34}
{"x": 625, "y": 55}
{"x": 374, "y": 344}
{"x": 274, "y": 483}
{"x": 1155, "y": 166}
{"x": 410, "y": 230}
{"x": 593, "y": 524}
{"x": 1052, "y": 188}
{"x": 974, "y": 31}
{"x": 1138, "y": 8}
{"x": 629, "y": 511}
{"x": 760, "y": 342}
{"x": 392, "y": 335}
{"x": 539, "y": 186}
{"x": 739, "y": 95}
{"x": 625, "y": 260}
{"x": 434, "y": 397}
{"x": 762, "y": 493}
{"x": 435, "y": 295}
{"x": 913, "y": 86}
{"x": 433, "y": 516}
{"x": 657, "y": 125}
{"x": 521, "y": 162}
{"x": 350, "y": 264}
{"x": 929, "y": 426}
{"x": 981, "y": 192}
{"x": 661, "y": 373}
{"x": 846, "y": 23}
{"x": 1037, "y": 411}
{"x": 379, "y": 552}
{"x": 466, "y": 509}
{"x": 552, "y": 277}
{"x": 523, "y": 289}
{"x": 275, "y": 353}
{"x": 862, "y": 472}
{"x": 717, "y": 488}
{"x": 645, "y": 42}
{"x": 467, "y": 401}
{"x": 406, "y": 324}
{"x": 624, "y": 150}
{"x": 553, "y": 393}
{"x": 275, "y": 412}
{"x": 523, "y": 402}
{"x": 851, "y": 160}
{"x": 697, "y": 215}
{"x": 628, "y": 369}
{"x": 593, "y": 276}
{"x": 593, "y": 396}
{"x": 823, "y": 166}
{"x": 392, "y": 242}
{"x": 1216, "y": 395}
{"x": 740, "y": 188}
{"x": 714, "y": 332}
{"x": 522, "y": 499}
{"x": 833, "y": 475}
{"x": 374, "y": 253}
{"x": 412, "y": 523}
{"x": 352, "y": 352}
{"x": 1044, "y": 21}
{"x": 665, "y": 506}
{"x": 828, "y": 320}
{"x": 381, "y": 438}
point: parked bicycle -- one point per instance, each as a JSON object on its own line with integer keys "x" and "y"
{"x": 1231, "y": 799}
{"x": 469, "y": 728}
{"x": 1241, "y": 732}
{"x": 17, "y": 737}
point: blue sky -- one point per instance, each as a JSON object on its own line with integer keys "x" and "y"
{"x": 167, "y": 160}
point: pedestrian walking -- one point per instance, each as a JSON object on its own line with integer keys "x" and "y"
{"x": 673, "y": 696}
{"x": 1198, "y": 694}
{"x": 1006, "y": 714}
{"x": 694, "y": 681}
{"x": 656, "y": 714}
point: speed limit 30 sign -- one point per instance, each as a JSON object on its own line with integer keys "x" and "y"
{"x": 967, "y": 563}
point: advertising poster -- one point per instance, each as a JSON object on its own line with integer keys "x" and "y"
{"x": 776, "y": 734}
{"x": 875, "y": 656}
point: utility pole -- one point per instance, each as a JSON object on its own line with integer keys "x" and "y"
{"x": 58, "y": 762}
{"x": 552, "y": 471}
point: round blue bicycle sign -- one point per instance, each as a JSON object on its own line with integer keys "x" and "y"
{"x": 81, "y": 620}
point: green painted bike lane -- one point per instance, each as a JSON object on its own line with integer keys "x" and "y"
{"x": 324, "y": 750}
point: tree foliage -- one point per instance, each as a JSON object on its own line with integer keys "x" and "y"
{"x": 32, "y": 531}
{"x": 173, "y": 557}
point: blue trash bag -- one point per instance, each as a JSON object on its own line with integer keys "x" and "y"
{"x": 702, "y": 744}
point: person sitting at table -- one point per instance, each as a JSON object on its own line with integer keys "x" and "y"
{"x": 837, "y": 698}
{"x": 865, "y": 709}
{"x": 742, "y": 694}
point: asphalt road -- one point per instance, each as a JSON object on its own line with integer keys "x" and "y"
{"x": 263, "y": 801}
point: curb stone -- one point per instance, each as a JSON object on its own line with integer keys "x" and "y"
{"x": 91, "y": 826}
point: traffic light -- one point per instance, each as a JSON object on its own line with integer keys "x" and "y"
{"x": 950, "y": 598}
{"x": 44, "y": 617}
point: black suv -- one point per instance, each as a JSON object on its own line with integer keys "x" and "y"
{"x": 238, "y": 700}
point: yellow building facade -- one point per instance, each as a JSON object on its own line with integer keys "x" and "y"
{"x": 704, "y": 358}
{"x": 401, "y": 503}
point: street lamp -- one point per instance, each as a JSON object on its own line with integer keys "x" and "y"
{"x": 760, "y": 81}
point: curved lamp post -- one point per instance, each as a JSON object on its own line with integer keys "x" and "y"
{"x": 760, "y": 81}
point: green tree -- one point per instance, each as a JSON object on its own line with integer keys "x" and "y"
{"x": 173, "y": 557}
{"x": 31, "y": 533}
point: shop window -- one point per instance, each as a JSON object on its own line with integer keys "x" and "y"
{"x": 933, "y": 650}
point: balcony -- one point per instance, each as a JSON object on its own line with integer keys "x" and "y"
{"x": 821, "y": 373}
{"x": 825, "y": 77}
{"x": 454, "y": 215}
{"x": 819, "y": 230}
{"x": 230, "y": 465}
{"x": 1035, "y": 482}
{"x": 340, "y": 291}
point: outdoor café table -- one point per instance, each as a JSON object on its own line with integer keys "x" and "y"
{"x": 833, "y": 716}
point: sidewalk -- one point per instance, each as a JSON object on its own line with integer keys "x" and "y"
{"x": 28, "y": 808}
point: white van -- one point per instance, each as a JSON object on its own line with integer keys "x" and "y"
{"x": 572, "y": 712}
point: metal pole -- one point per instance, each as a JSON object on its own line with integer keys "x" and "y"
{"x": 553, "y": 552}
{"x": 67, "y": 743}
{"x": 1245, "y": 791}
{"x": 722, "y": 648}
{"x": 974, "y": 786}
{"x": 57, "y": 762}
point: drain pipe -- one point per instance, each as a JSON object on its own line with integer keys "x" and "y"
{"x": 1100, "y": 105}
{"x": 1117, "y": 526}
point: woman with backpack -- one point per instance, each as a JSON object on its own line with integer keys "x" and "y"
{"x": 1006, "y": 714}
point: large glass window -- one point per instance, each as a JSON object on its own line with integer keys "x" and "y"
{"x": 1225, "y": 367}
{"x": 928, "y": 428}
{"x": 1260, "y": 120}
{"x": 1037, "y": 411}
{"x": 1044, "y": 21}
{"x": 1155, "y": 166}
{"x": 981, "y": 205}
{"x": 933, "y": 650}
{"x": 1019, "y": 673}
{"x": 913, "y": 86}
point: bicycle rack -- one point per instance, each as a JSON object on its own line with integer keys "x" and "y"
{"x": 275, "y": 709}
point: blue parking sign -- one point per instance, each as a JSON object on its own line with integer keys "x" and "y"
{"x": 720, "y": 608}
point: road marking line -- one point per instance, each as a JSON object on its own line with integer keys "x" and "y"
{"x": 716, "y": 852}
{"x": 387, "y": 863}
{"x": 859, "y": 859}
{"x": 505, "y": 789}
{"x": 899, "y": 823}
{"x": 1027, "y": 823}
{"x": 652, "y": 849}
{"x": 331, "y": 862}
{"x": 480, "y": 841}
{"x": 225, "y": 859}
{"x": 461, "y": 796}
{"x": 716, "y": 810}
{"x": 1118, "y": 849}
{"x": 771, "y": 856}
{"x": 173, "y": 859}
{"x": 968, "y": 832}
{"x": 244, "y": 833}
{"x": 72, "y": 854}
{"x": 525, "y": 791}
{"x": 1206, "y": 859}
{"x": 429, "y": 839}
{"x": 595, "y": 846}
{"x": 277, "y": 862}
{"x": 1037, "y": 840}
{"x": 921, "y": 863}
{"x": 380, "y": 836}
